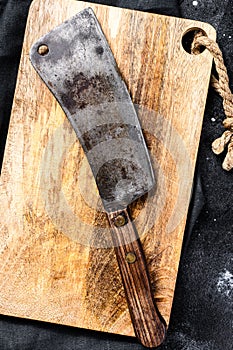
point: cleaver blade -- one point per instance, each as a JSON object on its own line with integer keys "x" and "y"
{"x": 77, "y": 65}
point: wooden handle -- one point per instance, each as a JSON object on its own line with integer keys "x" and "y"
{"x": 148, "y": 324}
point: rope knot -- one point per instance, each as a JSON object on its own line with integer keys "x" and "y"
{"x": 228, "y": 124}
{"x": 221, "y": 85}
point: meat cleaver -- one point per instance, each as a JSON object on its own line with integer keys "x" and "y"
{"x": 76, "y": 63}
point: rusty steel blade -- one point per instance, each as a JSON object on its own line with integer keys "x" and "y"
{"x": 76, "y": 63}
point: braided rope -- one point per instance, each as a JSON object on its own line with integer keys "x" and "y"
{"x": 221, "y": 85}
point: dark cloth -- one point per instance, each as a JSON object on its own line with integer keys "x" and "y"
{"x": 202, "y": 310}
{"x": 164, "y": 7}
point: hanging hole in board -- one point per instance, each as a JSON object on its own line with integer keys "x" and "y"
{"x": 43, "y": 50}
{"x": 188, "y": 38}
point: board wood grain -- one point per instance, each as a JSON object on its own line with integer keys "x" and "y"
{"x": 57, "y": 261}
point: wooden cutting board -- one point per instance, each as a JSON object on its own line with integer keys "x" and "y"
{"x": 57, "y": 263}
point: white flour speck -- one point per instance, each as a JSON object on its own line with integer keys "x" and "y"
{"x": 229, "y": 37}
{"x": 195, "y": 3}
{"x": 225, "y": 283}
{"x": 188, "y": 343}
{"x": 213, "y": 119}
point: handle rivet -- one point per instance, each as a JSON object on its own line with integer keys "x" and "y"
{"x": 120, "y": 220}
{"x": 130, "y": 258}
{"x": 43, "y": 50}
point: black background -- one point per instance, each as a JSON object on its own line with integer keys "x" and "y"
{"x": 202, "y": 314}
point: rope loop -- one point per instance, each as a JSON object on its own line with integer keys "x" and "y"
{"x": 221, "y": 85}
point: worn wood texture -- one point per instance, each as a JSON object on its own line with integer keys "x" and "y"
{"x": 148, "y": 325}
{"x": 57, "y": 263}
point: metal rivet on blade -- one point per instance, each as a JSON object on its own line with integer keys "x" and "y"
{"x": 130, "y": 258}
{"x": 43, "y": 50}
{"x": 120, "y": 220}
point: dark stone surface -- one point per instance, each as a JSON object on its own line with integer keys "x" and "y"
{"x": 203, "y": 306}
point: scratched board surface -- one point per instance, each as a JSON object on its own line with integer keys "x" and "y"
{"x": 57, "y": 261}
